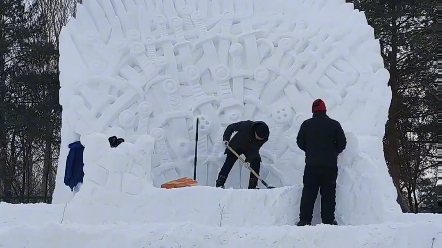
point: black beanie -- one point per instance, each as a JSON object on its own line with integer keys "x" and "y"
{"x": 262, "y": 131}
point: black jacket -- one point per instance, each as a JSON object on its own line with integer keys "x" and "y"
{"x": 322, "y": 139}
{"x": 244, "y": 141}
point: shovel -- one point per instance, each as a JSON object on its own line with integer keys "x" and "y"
{"x": 247, "y": 165}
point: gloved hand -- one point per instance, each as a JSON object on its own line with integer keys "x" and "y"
{"x": 225, "y": 143}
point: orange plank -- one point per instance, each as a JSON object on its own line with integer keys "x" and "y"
{"x": 179, "y": 183}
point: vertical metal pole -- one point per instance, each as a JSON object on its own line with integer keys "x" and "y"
{"x": 196, "y": 149}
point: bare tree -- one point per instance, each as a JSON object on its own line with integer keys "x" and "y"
{"x": 57, "y": 13}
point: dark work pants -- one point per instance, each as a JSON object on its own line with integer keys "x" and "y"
{"x": 322, "y": 179}
{"x": 228, "y": 165}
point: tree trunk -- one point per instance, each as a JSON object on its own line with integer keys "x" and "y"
{"x": 24, "y": 171}
{"x": 30, "y": 167}
{"x": 416, "y": 202}
{"x": 410, "y": 197}
{"x": 13, "y": 157}
{"x": 4, "y": 172}
{"x": 391, "y": 131}
{"x": 47, "y": 172}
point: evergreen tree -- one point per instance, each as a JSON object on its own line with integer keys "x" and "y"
{"x": 407, "y": 33}
{"x": 27, "y": 79}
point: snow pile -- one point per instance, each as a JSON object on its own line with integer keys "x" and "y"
{"x": 200, "y": 205}
{"x": 187, "y": 235}
{"x": 176, "y": 207}
{"x": 42, "y": 225}
{"x": 145, "y": 71}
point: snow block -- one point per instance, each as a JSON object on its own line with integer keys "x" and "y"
{"x": 197, "y": 204}
{"x": 19, "y": 214}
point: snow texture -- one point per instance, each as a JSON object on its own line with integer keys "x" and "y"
{"x": 186, "y": 235}
{"x": 145, "y": 70}
{"x": 43, "y": 225}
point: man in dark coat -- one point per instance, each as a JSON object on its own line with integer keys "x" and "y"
{"x": 250, "y": 137}
{"x": 322, "y": 139}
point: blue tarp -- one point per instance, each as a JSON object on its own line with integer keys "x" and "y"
{"x": 74, "y": 165}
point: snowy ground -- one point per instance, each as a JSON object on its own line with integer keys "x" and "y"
{"x": 193, "y": 235}
{"x": 253, "y": 218}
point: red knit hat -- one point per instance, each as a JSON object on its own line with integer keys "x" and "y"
{"x": 318, "y": 105}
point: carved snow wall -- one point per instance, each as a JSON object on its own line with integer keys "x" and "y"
{"x": 144, "y": 70}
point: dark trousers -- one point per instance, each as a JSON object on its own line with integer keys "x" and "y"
{"x": 322, "y": 179}
{"x": 255, "y": 164}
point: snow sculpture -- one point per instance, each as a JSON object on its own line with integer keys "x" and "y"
{"x": 144, "y": 70}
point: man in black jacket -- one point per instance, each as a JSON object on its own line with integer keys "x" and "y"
{"x": 322, "y": 139}
{"x": 250, "y": 137}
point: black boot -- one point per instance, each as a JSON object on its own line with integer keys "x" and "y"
{"x": 333, "y": 223}
{"x": 220, "y": 181}
{"x": 253, "y": 182}
{"x": 303, "y": 223}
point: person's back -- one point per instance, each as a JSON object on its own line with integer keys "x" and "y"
{"x": 322, "y": 139}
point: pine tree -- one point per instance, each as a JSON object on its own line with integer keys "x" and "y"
{"x": 407, "y": 33}
{"x": 12, "y": 30}
{"x": 26, "y": 77}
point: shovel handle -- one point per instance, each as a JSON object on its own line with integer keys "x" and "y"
{"x": 247, "y": 164}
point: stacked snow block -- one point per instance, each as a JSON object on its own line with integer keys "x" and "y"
{"x": 203, "y": 205}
